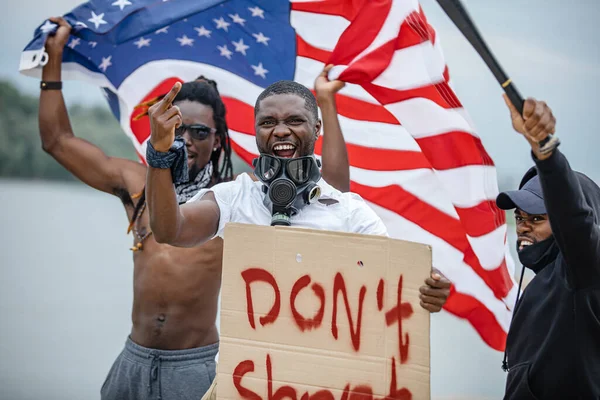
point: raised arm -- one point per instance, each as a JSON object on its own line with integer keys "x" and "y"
{"x": 572, "y": 219}
{"x": 334, "y": 157}
{"x": 84, "y": 160}
{"x": 184, "y": 226}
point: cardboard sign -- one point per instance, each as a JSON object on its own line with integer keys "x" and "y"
{"x": 319, "y": 315}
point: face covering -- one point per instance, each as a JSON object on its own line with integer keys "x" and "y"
{"x": 538, "y": 255}
{"x": 290, "y": 184}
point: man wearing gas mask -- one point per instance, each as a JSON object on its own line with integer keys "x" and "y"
{"x": 553, "y": 346}
{"x": 289, "y": 190}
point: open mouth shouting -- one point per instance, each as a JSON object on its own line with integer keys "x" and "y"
{"x": 524, "y": 242}
{"x": 284, "y": 150}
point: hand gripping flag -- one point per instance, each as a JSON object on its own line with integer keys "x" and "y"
{"x": 414, "y": 154}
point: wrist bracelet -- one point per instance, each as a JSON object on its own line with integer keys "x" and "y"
{"x": 51, "y": 85}
{"x": 175, "y": 159}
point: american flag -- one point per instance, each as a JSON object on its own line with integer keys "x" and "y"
{"x": 414, "y": 154}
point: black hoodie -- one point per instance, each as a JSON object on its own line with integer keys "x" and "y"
{"x": 553, "y": 345}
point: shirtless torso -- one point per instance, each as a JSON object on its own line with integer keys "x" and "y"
{"x": 175, "y": 290}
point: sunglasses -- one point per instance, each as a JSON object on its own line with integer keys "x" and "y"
{"x": 197, "y": 132}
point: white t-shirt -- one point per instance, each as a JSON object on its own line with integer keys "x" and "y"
{"x": 243, "y": 201}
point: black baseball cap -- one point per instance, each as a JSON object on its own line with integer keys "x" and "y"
{"x": 529, "y": 198}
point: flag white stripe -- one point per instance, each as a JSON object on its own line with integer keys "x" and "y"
{"x": 377, "y": 135}
{"x": 490, "y": 255}
{"x": 470, "y": 185}
{"x": 424, "y": 118}
{"x": 319, "y": 30}
{"x": 420, "y": 64}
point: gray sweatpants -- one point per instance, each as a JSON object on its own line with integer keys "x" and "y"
{"x": 140, "y": 373}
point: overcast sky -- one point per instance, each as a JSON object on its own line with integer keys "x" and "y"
{"x": 549, "y": 47}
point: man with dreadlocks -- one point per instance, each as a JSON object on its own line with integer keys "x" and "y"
{"x": 170, "y": 352}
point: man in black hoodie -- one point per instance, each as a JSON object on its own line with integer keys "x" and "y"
{"x": 553, "y": 346}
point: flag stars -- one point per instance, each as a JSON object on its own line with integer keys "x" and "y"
{"x": 237, "y": 19}
{"x": 222, "y": 24}
{"x": 162, "y": 30}
{"x": 121, "y": 4}
{"x": 259, "y": 70}
{"x": 257, "y": 12}
{"x": 202, "y": 31}
{"x": 240, "y": 47}
{"x": 47, "y": 27}
{"x": 105, "y": 63}
{"x": 74, "y": 42}
{"x": 142, "y": 42}
{"x": 185, "y": 41}
{"x": 79, "y": 23}
{"x": 225, "y": 52}
{"x": 97, "y": 20}
{"x": 93, "y": 44}
{"x": 260, "y": 38}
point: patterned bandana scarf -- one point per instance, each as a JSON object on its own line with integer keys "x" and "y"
{"x": 187, "y": 190}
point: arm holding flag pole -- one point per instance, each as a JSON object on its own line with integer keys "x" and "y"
{"x": 459, "y": 16}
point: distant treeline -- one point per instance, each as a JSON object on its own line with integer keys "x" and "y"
{"x": 21, "y": 154}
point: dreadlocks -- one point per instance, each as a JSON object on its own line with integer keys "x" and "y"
{"x": 204, "y": 91}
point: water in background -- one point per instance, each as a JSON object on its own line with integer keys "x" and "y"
{"x": 66, "y": 292}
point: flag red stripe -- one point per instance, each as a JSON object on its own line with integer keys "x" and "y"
{"x": 446, "y": 75}
{"x": 350, "y": 107}
{"x": 479, "y": 316}
{"x": 478, "y": 219}
{"x": 447, "y": 228}
{"x": 362, "y": 31}
{"x": 413, "y": 31}
{"x": 369, "y": 66}
{"x": 380, "y": 159}
{"x": 431, "y": 92}
{"x": 347, "y": 106}
{"x": 305, "y": 49}
{"x": 454, "y": 149}
{"x": 240, "y": 115}
{"x": 342, "y": 8}
{"x": 425, "y": 23}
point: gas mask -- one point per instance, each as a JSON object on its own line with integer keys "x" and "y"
{"x": 290, "y": 183}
